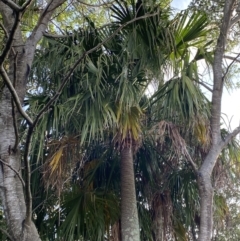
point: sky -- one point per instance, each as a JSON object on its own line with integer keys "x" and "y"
{"x": 231, "y": 98}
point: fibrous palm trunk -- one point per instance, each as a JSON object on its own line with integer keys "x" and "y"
{"x": 129, "y": 215}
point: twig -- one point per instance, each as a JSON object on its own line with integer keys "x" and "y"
{"x": 13, "y": 169}
{"x": 234, "y": 59}
{"x": 195, "y": 168}
{"x": 13, "y": 107}
{"x": 97, "y": 5}
{"x": 204, "y": 85}
{"x": 8, "y": 45}
{"x": 7, "y": 234}
{"x": 230, "y": 136}
{"x": 28, "y": 177}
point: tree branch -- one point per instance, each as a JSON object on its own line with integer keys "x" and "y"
{"x": 230, "y": 136}
{"x": 229, "y": 66}
{"x": 12, "y": 5}
{"x": 232, "y": 58}
{"x": 204, "y": 85}
{"x": 7, "y": 234}
{"x": 13, "y": 169}
{"x": 189, "y": 158}
{"x": 40, "y": 28}
{"x": 28, "y": 177}
{"x": 10, "y": 40}
{"x": 14, "y": 95}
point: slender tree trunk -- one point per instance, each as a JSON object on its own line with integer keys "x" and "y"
{"x": 217, "y": 144}
{"x": 206, "y": 202}
{"x": 129, "y": 214}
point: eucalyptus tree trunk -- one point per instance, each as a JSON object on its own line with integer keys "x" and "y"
{"x": 17, "y": 55}
{"x": 129, "y": 214}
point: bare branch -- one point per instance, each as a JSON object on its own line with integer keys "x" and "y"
{"x": 13, "y": 105}
{"x": 104, "y": 4}
{"x": 230, "y": 136}
{"x": 189, "y": 158}
{"x": 235, "y": 59}
{"x": 13, "y": 169}
{"x": 7, "y": 234}
{"x": 12, "y": 5}
{"x": 14, "y": 95}
{"x": 8, "y": 45}
{"x": 229, "y": 66}
{"x": 204, "y": 85}
{"x": 28, "y": 177}
{"x": 40, "y": 28}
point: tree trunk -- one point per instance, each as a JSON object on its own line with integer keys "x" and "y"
{"x": 129, "y": 214}
{"x": 11, "y": 187}
{"x": 19, "y": 60}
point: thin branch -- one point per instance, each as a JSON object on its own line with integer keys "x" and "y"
{"x": 13, "y": 105}
{"x": 7, "y": 234}
{"x": 13, "y": 169}
{"x": 234, "y": 59}
{"x": 230, "y": 136}
{"x": 97, "y": 5}
{"x": 26, "y": 5}
{"x": 189, "y": 158}
{"x": 28, "y": 177}
{"x": 235, "y": 20}
{"x": 14, "y": 95}
{"x": 10, "y": 40}
{"x": 204, "y": 85}
{"x": 45, "y": 17}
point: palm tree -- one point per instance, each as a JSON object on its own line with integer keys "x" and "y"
{"x": 105, "y": 94}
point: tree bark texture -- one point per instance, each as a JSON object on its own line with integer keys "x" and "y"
{"x": 19, "y": 57}
{"x": 129, "y": 214}
{"x": 217, "y": 144}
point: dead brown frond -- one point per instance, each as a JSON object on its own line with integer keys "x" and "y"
{"x": 61, "y": 159}
{"x": 163, "y": 130}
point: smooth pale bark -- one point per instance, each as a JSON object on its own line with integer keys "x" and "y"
{"x": 217, "y": 144}
{"x": 129, "y": 214}
{"x": 20, "y": 59}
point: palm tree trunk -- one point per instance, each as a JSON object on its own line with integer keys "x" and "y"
{"x": 129, "y": 215}
{"x": 206, "y": 203}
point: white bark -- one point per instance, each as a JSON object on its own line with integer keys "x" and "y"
{"x": 20, "y": 57}
{"x": 205, "y": 172}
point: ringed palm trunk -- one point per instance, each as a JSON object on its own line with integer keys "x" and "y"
{"x": 129, "y": 213}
